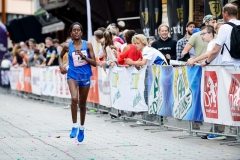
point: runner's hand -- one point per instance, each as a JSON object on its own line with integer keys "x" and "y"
{"x": 63, "y": 69}
{"x": 80, "y": 53}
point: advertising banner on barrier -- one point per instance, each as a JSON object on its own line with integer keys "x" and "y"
{"x": 175, "y": 92}
{"x": 93, "y": 95}
{"x": 62, "y": 89}
{"x": 232, "y": 86}
{"x": 104, "y": 87}
{"x": 24, "y": 80}
{"x": 160, "y": 95}
{"x": 187, "y": 93}
{"x": 220, "y": 96}
{"x": 48, "y": 85}
{"x": 13, "y": 77}
{"x": 127, "y": 89}
{"x": 35, "y": 80}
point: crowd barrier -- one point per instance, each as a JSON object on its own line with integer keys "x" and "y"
{"x": 183, "y": 94}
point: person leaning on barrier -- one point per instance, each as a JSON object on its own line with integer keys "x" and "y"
{"x": 207, "y": 35}
{"x": 229, "y": 13}
{"x": 110, "y": 51}
{"x": 21, "y": 59}
{"x": 183, "y": 41}
{"x": 36, "y": 60}
{"x": 150, "y": 55}
{"x": 196, "y": 41}
{"x": 130, "y": 50}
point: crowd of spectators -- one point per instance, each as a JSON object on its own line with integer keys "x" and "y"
{"x": 29, "y": 54}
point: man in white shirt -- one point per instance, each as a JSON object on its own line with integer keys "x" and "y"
{"x": 229, "y": 15}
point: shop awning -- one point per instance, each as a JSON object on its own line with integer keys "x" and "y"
{"x": 53, "y": 27}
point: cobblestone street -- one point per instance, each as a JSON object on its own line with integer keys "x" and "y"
{"x": 36, "y": 130}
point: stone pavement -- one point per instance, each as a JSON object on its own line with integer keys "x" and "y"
{"x": 33, "y": 130}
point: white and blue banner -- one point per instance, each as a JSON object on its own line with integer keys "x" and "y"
{"x": 127, "y": 89}
{"x": 104, "y": 87}
{"x": 175, "y": 92}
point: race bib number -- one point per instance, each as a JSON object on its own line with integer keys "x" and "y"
{"x": 77, "y": 60}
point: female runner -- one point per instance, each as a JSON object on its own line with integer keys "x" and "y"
{"x": 81, "y": 58}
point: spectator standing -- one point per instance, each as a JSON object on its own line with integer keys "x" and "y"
{"x": 51, "y": 53}
{"x": 57, "y": 46}
{"x": 32, "y": 46}
{"x": 217, "y": 26}
{"x": 21, "y": 59}
{"x": 229, "y": 15}
{"x": 14, "y": 53}
{"x": 118, "y": 35}
{"x": 41, "y": 48}
{"x": 183, "y": 41}
{"x": 5, "y": 62}
{"x": 150, "y": 55}
{"x": 130, "y": 50}
{"x": 196, "y": 42}
{"x": 37, "y": 60}
{"x": 23, "y": 46}
{"x": 99, "y": 38}
{"x": 150, "y": 41}
{"x": 165, "y": 44}
{"x": 117, "y": 40}
{"x": 125, "y": 44}
{"x": 109, "y": 49}
{"x": 207, "y": 35}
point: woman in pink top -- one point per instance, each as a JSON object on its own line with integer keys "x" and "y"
{"x": 130, "y": 50}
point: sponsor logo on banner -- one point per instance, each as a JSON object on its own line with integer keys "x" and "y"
{"x": 134, "y": 85}
{"x": 182, "y": 93}
{"x": 210, "y": 94}
{"x": 134, "y": 82}
{"x": 234, "y": 97}
{"x": 115, "y": 79}
{"x": 115, "y": 85}
{"x": 156, "y": 95}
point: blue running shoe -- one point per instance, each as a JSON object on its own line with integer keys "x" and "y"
{"x": 74, "y": 132}
{"x": 80, "y": 135}
{"x": 215, "y": 137}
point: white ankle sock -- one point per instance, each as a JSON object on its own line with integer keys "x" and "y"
{"x": 75, "y": 125}
{"x": 81, "y": 127}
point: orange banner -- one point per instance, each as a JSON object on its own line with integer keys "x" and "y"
{"x": 24, "y": 80}
{"x": 93, "y": 95}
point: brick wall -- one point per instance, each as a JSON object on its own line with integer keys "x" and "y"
{"x": 198, "y": 12}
